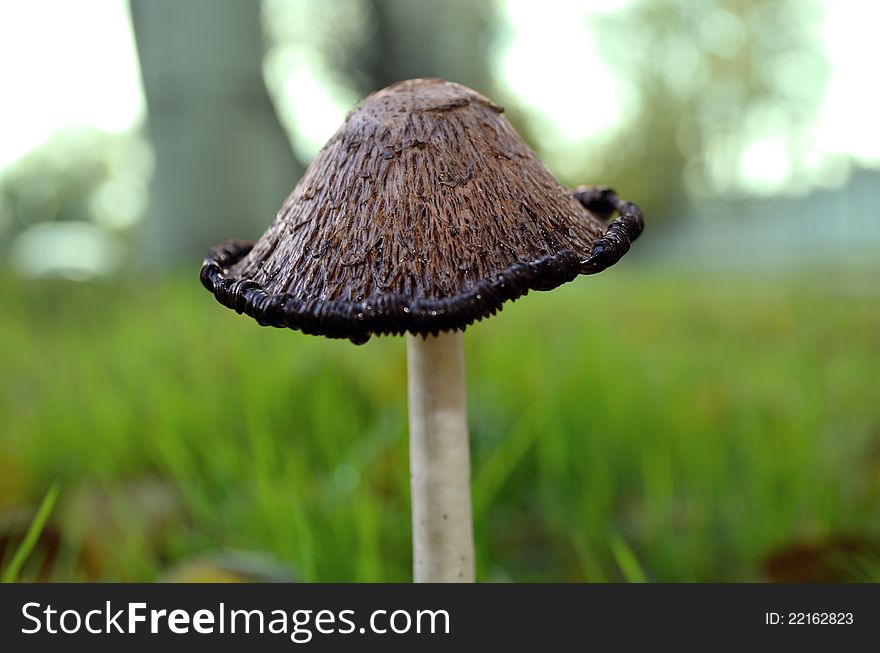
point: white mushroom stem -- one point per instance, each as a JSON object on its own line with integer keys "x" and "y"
{"x": 439, "y": 454}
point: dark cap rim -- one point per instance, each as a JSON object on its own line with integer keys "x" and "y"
{"x": 394, "y": 314}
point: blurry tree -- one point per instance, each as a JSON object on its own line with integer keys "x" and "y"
{"x": 325, "y": 56}
{"x": 223, "y": 162}
{"x": 67, "y": 206}
{"x": 56, "y": 181}
{"x": 711, "y": 79}
{"x": 449, "y": 39}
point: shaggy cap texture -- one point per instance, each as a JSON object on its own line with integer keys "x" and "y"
{"x": 423, "y": 213}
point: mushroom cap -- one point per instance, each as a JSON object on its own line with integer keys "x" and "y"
{"x": 425, "y": 212}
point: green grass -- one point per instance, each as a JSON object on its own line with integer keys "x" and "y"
{"x": 634, "y": 426}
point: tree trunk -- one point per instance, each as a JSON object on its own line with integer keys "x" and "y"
{"x": 223, "y": 162}
{"x": 448, "y": 39}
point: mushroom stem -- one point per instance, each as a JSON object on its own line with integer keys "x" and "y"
{"x": 439, "y": 453}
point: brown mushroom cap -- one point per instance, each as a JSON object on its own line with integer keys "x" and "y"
{"x": 423, "y": 213}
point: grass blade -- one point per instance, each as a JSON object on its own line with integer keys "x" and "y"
{"x": 10, "y": 574}
{"x": 627, "y": 561}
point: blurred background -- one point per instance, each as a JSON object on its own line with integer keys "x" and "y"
{"x": 707, "y": 410}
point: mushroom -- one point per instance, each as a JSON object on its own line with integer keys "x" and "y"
{"x": 424, "y": 213}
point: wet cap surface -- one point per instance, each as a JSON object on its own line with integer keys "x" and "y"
{"x": 425, "y": 212}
